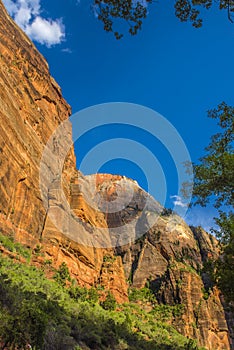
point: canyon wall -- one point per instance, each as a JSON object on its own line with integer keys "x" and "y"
{"x": 160, "y": 251}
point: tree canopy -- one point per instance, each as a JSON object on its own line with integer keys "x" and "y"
{"x": 214, "y": 182}
{"x": 214, "y": 175}
{"x": 133, "y": 12}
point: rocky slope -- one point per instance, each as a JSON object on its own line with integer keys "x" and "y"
{"x": 107, "y": 230}
{"x": 170, "y": 258}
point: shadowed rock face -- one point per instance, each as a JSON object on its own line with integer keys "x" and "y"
{"x": 112, "y": 231}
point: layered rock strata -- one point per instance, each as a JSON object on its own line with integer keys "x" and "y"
{"x": 107, "y": 230}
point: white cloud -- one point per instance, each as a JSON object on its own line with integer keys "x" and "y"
{"x": 177, "y": 200}
{"x": 10, "y": 6}
{"x": 27, "y": 14}
{"x": 23, "y": 16}
{"x": 45, "y": 31}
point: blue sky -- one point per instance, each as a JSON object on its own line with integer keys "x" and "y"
{"x": 171, "y": 67}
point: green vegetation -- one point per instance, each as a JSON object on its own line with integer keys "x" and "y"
{"x": 109, "y": 303}
{"x": 62, "y": 275}
{"x": 49, "y": 315}
{"x": 108, "y": 258}
{"x": 37, "y": 249}
{"x": 144, "y": 294}
{"x": 167, "y": 312}
{"x": 84, "y": 294}
{"x": 214, "y": 181}
{"x": 189, "y": 268}
{"x": 133, "y": 13}
{"x": 17, "y": 248}
{"x": 206, "y": 293}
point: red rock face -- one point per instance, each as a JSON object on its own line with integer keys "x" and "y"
{"x": 31, "y": 108}
{"x": 167, "y": 254}
{"x": 169, "y": 257}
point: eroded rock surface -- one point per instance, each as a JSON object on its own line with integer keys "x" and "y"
{"x": 170, "y": 258}
{"x": 104, "y": 227}
{"x": 31, "y": 109}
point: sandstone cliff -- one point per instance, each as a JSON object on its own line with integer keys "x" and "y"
{"x": 170, "y": 257}
{"x": 31, "y": 108}
{"x": 165, "y": 253}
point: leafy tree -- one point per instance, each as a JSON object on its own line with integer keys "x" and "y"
{"x": 62, "y": 275}
{"x": 84, "y": 294}
{"x": 214, "y": 181}
{"x": 214, "y": 175}
{"x": 109, "y": 303}
{"x": 144, "y": 294}
{"x": 133, "y": 12}
{"x": 78, "y": 293}
{"x": 93, "y": 295}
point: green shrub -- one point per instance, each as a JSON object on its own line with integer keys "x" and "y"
{"x": 49, "y": 315}
{"x": 78, "y": 293}
{"x": 109, "y": 303}
{"x": 143, "y": 294}
{"x": 37, "y": 249}
{"x": 62, "y": 275}
{"x": 108, "y": 258}
{"x": 84, "y": 294}
{"x": 8, "y": 243}
{"x": 206, "y": 293}
{"x": 167, "y": 312}
{"x": 93, "y": 296}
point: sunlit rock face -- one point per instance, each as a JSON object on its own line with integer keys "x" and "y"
{"x": 105, "y": 227}
{"x": 31, "y": 109}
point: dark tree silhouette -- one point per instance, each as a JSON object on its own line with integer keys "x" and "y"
{"x": 133, "y": 12}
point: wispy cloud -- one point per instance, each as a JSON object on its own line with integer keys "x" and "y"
{"x": 177, "y": 201}
{"x": 67, "y": 50}
{"x": 27, "y": 14}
